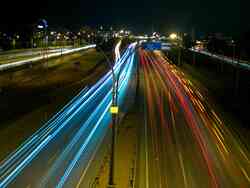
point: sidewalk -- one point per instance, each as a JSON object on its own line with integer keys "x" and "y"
{"x": 126, "y": 151}
{"x": 125, "y": 168}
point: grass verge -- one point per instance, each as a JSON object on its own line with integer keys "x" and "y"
{"x": 29, "y": 97}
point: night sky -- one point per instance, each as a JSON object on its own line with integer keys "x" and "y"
{"x": 227, "y": 16}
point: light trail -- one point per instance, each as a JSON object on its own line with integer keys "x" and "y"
{"x": 79, "y": 119}
{"x": 117, "y": 51}
{"x": 187, "y": 135}
{"x": 4, "y": 67}
{"x": 63, "y": 115}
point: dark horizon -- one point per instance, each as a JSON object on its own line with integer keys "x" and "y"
{"x": 138, "y": 16}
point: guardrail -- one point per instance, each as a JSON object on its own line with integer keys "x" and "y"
{"x": 240, "y": 63}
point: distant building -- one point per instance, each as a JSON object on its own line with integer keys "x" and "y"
{"x": 219, "y": 36}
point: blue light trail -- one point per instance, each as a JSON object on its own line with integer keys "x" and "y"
{"x": 72, "y": 136}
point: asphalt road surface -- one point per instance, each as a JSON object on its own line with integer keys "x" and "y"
{"x": 184, "y": 143}
{"x": 59, "y": 154}
{"x": 22, "y": 58}
{"x": 9, "y": 57}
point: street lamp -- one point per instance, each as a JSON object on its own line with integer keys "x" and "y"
{"x": 233, "y": 45}
{"x": 43, "y": 25}
{"x": 114, "y": 110}
{"x": 237, "y": 73}
{"x": 173, "y": 36}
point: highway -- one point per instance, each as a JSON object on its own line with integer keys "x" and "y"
{"x": 117, "y": 51}
{"x": 184, "y": 142}
{"x": 14, "y": 55}
{"x": 234, "y": 62}
{"x": 13, "y": 63}
{"x": 59, "y": 154}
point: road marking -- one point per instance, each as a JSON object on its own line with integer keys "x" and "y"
{"x": 51, "y": 160}
{"x": 244, "y": 155}
{"x": 245, "y": 173}
{"x": 146, "y": 153}
{"x": 23, "y": 164}
{"x": 183, "y": 169}
{"x": 216, "y": 117}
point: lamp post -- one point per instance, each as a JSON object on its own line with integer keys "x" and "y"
{"x": 180, "y": 46}
{"x": 237, "y": 70}
{"x": 114, "y": 110}
{"x": 174, "y": 37}
{"x": 233, "y": 45}
{"x": 115, "y": 114}
{"x": 43, "y": 25}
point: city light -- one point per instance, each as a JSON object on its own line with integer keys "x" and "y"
{"x": 40, "y": 27}
{"x": 173, "y": 36}
{"x": 124, "y": 94}
{"x": 114, "y": 109}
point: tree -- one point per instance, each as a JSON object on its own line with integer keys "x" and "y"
{"x": 244, "y": 45}
{"x": 216, "y": 45}
{"x": 187, "y": 41}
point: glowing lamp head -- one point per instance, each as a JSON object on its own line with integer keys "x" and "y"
{"x": 173, "y": 36}
{"x": 114, "y": 109}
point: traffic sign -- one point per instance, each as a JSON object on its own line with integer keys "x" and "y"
{"x": 152, "y": 46}
{"x": 42, "y": 24}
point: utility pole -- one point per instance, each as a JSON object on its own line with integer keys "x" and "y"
{"x": 61, "y": 47}
{"x": 43, "y": 26}
{"x": 233, "y": 50}
{"x": 46, "y": 47}
{"x": 237, "y": 70}
{"x": 179, "y": 51}
{"x": 179, "y": 56}
{"x": 193, "y": 42}
{"x": 114, "y": 111}
{"x": 115, "y": 114}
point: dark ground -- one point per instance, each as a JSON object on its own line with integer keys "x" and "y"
{"x": 29, "y": 97}
{"x": 220, "y": 78}
{"x": 219, "y": 81}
